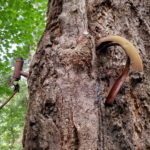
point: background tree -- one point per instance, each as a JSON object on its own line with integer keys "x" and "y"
{"x": 69, "y": 81}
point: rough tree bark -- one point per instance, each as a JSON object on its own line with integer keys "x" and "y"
{"x": 69, "y": 81}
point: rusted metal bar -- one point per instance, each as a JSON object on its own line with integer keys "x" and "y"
{"x": 117, "y": 85}
{"x": 18, "y": 70}
{"x": 25, "y": 74}
{"x": 119, "y": 82}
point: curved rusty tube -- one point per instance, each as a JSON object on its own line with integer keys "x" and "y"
{"x": 127, "y": 46}
{"x": 133, "y": 56}
{"x": 117, "y": 85}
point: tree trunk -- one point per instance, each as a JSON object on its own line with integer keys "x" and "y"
{"x": 69, "y": 81}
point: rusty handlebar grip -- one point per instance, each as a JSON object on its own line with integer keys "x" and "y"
{"x": 18, "y": 69}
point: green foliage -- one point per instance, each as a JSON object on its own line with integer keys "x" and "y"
{"x": 12, "y": 120}
{"x": 22, "y": 23}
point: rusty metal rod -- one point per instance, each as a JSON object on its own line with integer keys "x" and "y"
{"x": 118, "y": 83}
{"x": 18, "y": 70}
{"x": 25, "y": 74}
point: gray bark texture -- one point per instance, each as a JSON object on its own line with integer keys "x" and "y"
{"x": 69, "y": 81}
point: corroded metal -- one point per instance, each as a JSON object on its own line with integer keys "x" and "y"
{"x": 18, "y": 70}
